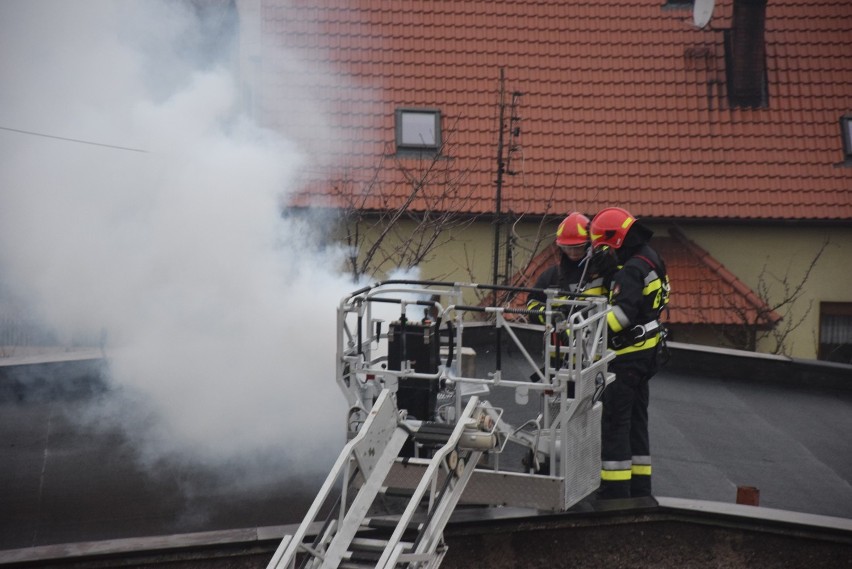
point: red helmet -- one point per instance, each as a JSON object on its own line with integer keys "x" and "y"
{"x": 610, "y": 226}
{"x": 573, "y": 230}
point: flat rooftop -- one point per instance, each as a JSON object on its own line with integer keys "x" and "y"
{"x": 719, "y": 421}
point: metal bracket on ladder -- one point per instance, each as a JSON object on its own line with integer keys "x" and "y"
{"x": 374, "y": 450}
{"x": 426, "y": 547}
{"x": 378, "y": 452}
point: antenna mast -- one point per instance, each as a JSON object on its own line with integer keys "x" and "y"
{"x": 503, "y": 168}
{"x": 498, "y": 198}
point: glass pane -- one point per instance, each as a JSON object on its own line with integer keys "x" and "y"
{"x": 418, "y": 129}
{"x": 836, "y": 329}
{"x": 847, "y": 127}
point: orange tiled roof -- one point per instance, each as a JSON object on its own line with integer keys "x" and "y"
{"x": 703, "y": 290}
{"x": 624, "y": 102}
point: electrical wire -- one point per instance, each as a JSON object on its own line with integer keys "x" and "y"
{"x": 72, "y": 139}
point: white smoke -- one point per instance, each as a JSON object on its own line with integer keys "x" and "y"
{"x": 161, "y": 225}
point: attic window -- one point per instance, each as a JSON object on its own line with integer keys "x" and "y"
{"x": 418, "y": 130}
{"x": 846, "y": 134}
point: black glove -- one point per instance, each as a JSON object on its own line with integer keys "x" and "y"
{"x": 603, "y": 262}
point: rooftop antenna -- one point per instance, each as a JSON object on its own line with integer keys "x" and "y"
{"x": 498, "y": 200}
{"x": 702, "y": 11}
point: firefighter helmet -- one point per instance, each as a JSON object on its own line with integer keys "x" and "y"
{"x": 610, "y": 227}
{"x": 573, "y": 230}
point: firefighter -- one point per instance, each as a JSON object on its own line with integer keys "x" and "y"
{"x": 572, "y": 238}
{"x": 638, "y": 292}
{"x": 570, "y": 275}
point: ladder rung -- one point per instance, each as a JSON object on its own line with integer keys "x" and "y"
{"x": 397, "y": 492}
{"x": 356, "y": 565}
{"x": 387, "y": 523}
{"x": 370, "y": 544}
{"x": 433, "y": 432}
{"x": 367, "y": 550}
{"x": 365, "y": 556}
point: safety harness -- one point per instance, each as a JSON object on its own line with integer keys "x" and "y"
{"x": 642, "y": 332}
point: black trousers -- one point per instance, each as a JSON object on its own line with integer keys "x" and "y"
{"x": 625, "y": 443}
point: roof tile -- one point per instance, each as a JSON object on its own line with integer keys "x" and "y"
{"x": 628, "y": 97}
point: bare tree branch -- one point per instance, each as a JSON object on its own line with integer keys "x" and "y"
{"x": 375, "y": 237}
{"x": 757, "y": 322}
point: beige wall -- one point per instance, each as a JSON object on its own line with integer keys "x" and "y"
{"x": 464, "y": 255}
{"x": 784, "y": 252}
{"x": 467, "y": 254}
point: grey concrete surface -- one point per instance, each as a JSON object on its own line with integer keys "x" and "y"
{"x": 61, "y": 482}
{"x": 791, "y": 443}
{"x": 665, "y": 533}
{"x": 709, "y": 435}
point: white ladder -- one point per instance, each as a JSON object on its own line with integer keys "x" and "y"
{"x": 349, "y": 538}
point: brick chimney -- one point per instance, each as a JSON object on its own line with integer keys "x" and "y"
{"x": 746, "y": 55}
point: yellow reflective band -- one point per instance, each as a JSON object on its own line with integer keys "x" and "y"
{"x": 627, "y": 222}
{"x": 646, "y": 344}
{"x": 655, "y": 289}
{"x": 613, "y": 322}
{"x": 615, "y": 475}
{"x": 642, "y": 469}
{"x": 581, "y": 230}
{"x": 656, "y": 284}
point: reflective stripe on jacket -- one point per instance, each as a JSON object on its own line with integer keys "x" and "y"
{"x": 638, "y": 294}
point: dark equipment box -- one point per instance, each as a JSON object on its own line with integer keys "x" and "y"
{"x": 419, "y": 344}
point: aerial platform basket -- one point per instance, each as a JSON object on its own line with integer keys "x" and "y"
{"x": 426, "y": 432}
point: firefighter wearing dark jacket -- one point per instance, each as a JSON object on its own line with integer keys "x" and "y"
{"x": 572, "y": 239}
{"x": 570, "y": 275}
{"x": 638, "y": 292}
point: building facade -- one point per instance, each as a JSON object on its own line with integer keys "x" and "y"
{"x": 734, "y": 133}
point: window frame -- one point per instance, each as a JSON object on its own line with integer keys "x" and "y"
{"x": 846, "y": 136}
{"x": 827, "y": 349}
{"x": 678, "y": 4}
{"x": 407, "y": 147}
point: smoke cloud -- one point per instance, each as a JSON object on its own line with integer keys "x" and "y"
{"x": 139, "y": 205}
